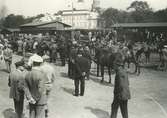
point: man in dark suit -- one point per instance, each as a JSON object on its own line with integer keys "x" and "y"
{"x": 81, "y": 67}
{"x": 121, "y": 90}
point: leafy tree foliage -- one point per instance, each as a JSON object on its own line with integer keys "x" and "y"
{"x": 161, "y": 16}
{"x": 13, "y": 21}
{"x": 139, "y": 6}
{"x": 138, "y": 11}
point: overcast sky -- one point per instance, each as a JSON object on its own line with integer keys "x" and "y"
{"x": 34, "y": 7}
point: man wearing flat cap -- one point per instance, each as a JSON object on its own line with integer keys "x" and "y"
{"x": 121, "y": 89}
{"x": 34, "y": 82}
{"x": 16, "y": 84}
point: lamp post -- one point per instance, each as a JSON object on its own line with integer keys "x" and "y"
{"x": 72, "y": 14}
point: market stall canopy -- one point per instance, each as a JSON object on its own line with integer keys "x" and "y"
{"x": 139, "y": 25}
{"x": 43, "y": 26}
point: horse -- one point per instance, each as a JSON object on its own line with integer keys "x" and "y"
{"x": 129, "y": 57}
{"x": 104, "y": 58}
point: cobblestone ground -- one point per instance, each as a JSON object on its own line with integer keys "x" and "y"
{"x": 148, "y": 96}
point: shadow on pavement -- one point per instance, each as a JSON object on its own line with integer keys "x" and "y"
{"x": 9, "y": 113}
{"x": 68, "y": 90}
{"x": 65, "y": 75}
{"x": 105, "y": 83}
{"x": 98, "y": 112}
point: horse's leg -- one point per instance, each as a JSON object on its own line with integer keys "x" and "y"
{"x": 138, "y": 68}
{"x": 102, "y": 73}
{"x": 98, "y": 69}
{"x": 128, "y": 63}
{"x": 109, "y": 73}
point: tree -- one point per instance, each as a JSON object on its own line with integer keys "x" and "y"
{"x": 139, "y": 6}
{"x": 112, "y": 16}
{"x": 13, "y": 21}
{"x": 160, "y": 16}
{"x": 141, "y": 11}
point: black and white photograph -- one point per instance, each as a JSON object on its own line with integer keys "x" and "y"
{"x": 83, "y": 58}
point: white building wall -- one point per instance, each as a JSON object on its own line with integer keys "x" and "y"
{"x": 80, "y": 19}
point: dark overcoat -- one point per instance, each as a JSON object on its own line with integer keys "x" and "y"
{"x": 121, "y": 89}
{"x": 81, "y": 65}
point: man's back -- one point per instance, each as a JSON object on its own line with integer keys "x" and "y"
{"x": 121, "y": 89}
{"x": 35, "y": 83}
{"x": 16, "y": 83}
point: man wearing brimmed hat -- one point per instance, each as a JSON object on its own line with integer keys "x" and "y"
{"x": 16, "y": 84}
{"x": 35, "y": 86}
{"x": 121, "y": 89}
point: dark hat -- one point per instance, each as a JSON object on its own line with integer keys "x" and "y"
{"x": 19, "y": 63}
{"x": 80, "y": 51}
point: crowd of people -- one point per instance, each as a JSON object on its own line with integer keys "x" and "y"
{"x": 34, "y": 79}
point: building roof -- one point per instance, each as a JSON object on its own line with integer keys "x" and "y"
{"x": 9, "y": 30}
{"x": 35, "y": 24}
{"x": 70, "y": 10}
{"x": 139, "y": 25}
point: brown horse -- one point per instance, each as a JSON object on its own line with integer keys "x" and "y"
{"x": 104, "y": 58}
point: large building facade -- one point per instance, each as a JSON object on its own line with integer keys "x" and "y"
{"x": 82, "y": 14}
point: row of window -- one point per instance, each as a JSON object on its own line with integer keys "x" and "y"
{"x": 74, "y": 17}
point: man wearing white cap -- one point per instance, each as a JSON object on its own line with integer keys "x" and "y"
{"x": 30, "y": 60}
{"x": 34, "y": 82}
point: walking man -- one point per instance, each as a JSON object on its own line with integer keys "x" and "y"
{"x": 121, "y": 90}
{"x": 16, "y": 84}
{"x": 34, "y": 82}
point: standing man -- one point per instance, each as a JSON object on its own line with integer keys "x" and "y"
{"x": 16, "y": 84}
{"x": 8, "y": 57}
{"x": 121, "y": 90}
{"x": 87, "y": 54}
{"x": 49, "y": 71}
{"x": 72, "y": 56}
{"x": 62, "y": 52}
{"x": 81, "y": 67}
{"x": 35, "y": 87}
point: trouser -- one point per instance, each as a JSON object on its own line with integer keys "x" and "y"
{"x": 37, "y": 111}
{"x": 63, "y": 61}
{"x": 71, "y": 69}
{"x": 81, "y": 81}
{"x": 123, "y": 106}
{"x": 48, "y": 91}
{"x": 8, "y": 65}
{"x": 19, "y": 107}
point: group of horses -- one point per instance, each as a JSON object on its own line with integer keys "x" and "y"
{"x": 105, "y": 57}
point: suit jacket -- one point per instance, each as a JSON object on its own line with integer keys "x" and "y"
{"x": 81, "y": 65}
{"x": 16, "y": 84}
{"x": 121, "y": 89}
{"x": 35, "y": 86}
